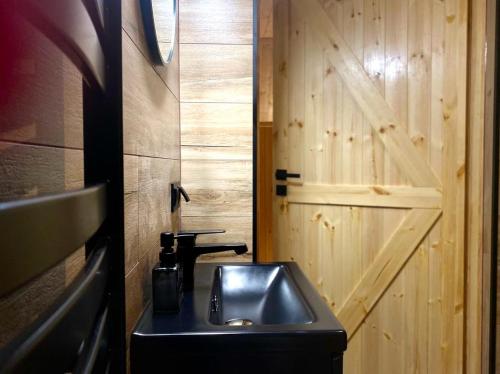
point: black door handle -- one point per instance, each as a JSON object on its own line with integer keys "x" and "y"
{"x": 283, "y": 175}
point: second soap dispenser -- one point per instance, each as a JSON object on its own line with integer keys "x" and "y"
{"x": 166, "y": 285}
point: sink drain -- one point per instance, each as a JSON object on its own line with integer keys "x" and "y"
{"x": 239, "y": 322}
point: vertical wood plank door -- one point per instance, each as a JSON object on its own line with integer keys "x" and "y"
{"x": 370, "y": 109}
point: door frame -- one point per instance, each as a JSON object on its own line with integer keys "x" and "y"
{"x": 255, "y": 127}
{"x": 482, "y": 188}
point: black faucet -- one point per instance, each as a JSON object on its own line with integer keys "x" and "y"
{"x": 188, "y": 251}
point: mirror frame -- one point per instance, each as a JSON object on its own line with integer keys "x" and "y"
{"x": 151, "y": 35}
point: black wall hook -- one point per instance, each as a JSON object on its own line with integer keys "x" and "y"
{"x": 176, "y": 191}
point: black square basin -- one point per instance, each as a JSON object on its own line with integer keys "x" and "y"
{"x": 242, "y": 318}
{"x": 257, "y": 295}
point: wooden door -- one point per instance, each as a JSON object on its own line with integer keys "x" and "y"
{"x": 370, "y": 109}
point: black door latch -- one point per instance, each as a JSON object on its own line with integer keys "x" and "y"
{"x": 283, "y": 175}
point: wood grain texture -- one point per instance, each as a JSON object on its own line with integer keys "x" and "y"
{"x": 151, "y": 115}
{"x": 131, "y": 189}
{"x": 479, "y": 183}
{"x": 265, "y": 194}
{"x": 147, "y": 214}
{"x": 367, "y": 96}
{"x": 28, "y": 170}
{"x": 369, "y": 196}
{"x": 217, "y": 153}
{"x": 155, "y": 176}
{"x": 41, "y": 137}
{"x": 266, "y": 80}
{"x": 138, "y": 289}
{"x": 50, "y": 119}
{"x": 217, "y": 175}
{"x": 266, "y": 17}
{"x": 454, "y": 113}
{"x": 216, "y": 114}
{"x": 216, "y": 73}
{"x": 133, "y": 26}
{"x": 216, "y": 124}
{"x": 150, "y": 110}
{"x": 238, "y": 229}
{"x": 216, "y": 21}
{"x": 322, "y": 129}
{"x": 215, "y": 203}
{"x": 385, "y": 267}
{"x": 47, "y": 109}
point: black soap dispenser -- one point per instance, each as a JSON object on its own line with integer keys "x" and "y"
{"x": 166, "y": 290}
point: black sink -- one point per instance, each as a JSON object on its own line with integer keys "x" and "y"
{"x": 257, "y": 295}
{"x": 242, "y": 319}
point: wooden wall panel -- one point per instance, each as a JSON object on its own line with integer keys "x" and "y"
{"x": 216, "y": 116}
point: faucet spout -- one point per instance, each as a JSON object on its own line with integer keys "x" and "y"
{"x": 188, "y": 251}
{"x": 203, "y": 249}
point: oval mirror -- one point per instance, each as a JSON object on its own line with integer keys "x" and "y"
{"x": 160, "y": 24}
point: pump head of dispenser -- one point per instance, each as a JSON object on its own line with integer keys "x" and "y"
{"x": 167, "y": 256}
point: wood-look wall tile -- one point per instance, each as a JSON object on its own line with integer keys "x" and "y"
{"x": 134, "y": 27}
{"x": 138, "y": 289}
{"x": 216, "y": 124}
{"x": 217, "y": 175}
{"x": 131, "y": 174}
{"x": 215, "y": 203}
{"x": 226, "y": 78}
{"x": 238, "y": 229}
{"x": 134, "y": 297}
{"x": 131, "y": 187}
{"x": 155, "y": 176}
{"x": 21, "y": 308}
{"x": 216, "y": 153}
{"x": 48, "y": 105}
{"x": 216, "y": 21}
{"x": 27, "y": 170}
{"x": 150, "y": 110}
{"x": 131, "y": 230}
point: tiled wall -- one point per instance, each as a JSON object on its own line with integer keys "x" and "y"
{"x": 41, "y": 142}
{"x": 216, "y": 45}
{"x": 152, "y": 156}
